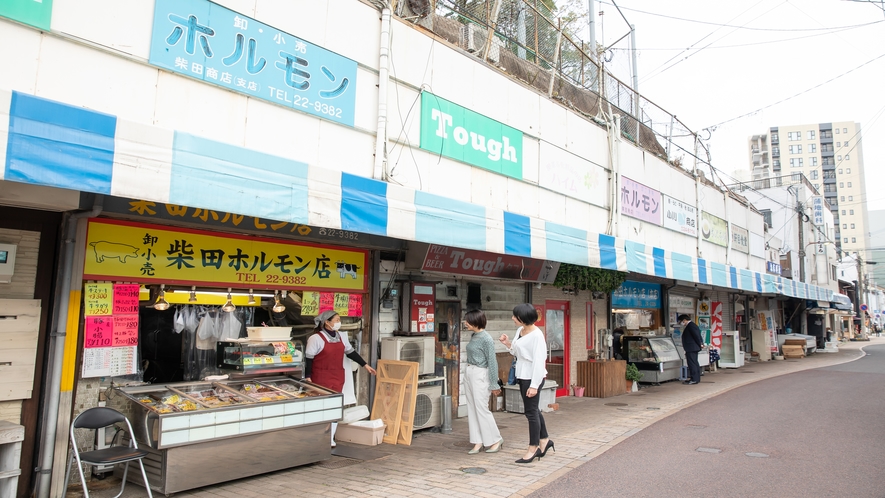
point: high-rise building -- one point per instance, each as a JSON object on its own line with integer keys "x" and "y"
{"x": 830, "y": 155}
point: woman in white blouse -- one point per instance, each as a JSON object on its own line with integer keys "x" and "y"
{"x": 530, "y": 348}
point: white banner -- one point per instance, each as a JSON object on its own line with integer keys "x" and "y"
{"x": 573, "y": 176}
{"x": 680, "y": 216}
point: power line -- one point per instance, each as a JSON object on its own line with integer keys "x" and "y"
{"x": 713, "y": 127}
{"x": 744, "y": 26}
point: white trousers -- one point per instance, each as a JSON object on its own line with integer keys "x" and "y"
{"x": 480, "y": 420}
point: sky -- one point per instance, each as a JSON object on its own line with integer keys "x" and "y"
{"x": 737, "y": 68}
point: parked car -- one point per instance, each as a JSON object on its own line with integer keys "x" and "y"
{"x": 810, "y": 341}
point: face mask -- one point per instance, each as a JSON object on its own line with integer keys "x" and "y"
{"x": 336, "y": 326}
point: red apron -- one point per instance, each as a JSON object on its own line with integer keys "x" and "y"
{"x": 328, "y": 366}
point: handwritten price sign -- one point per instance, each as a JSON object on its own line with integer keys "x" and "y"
{"x": 327, "y": 301}
{"x": 99, "y": 332}
{"x": 125, "y": 330}
{"x": 310, "y": 304}
{"x": 98, "y": 299}
{"x": 355, "y": 305}
{"x": 341, "y": 301}
{"x": 126, "y": 299}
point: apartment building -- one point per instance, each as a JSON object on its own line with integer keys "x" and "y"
{"x": 830, "y": 155}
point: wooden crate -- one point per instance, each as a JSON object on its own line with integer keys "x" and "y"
{"x": 793, "y": 351}
{"x": 602, "y": 379}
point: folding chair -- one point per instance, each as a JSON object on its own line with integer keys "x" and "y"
{"x": 99, "y": 418}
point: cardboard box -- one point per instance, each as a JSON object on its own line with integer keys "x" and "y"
{"x": 369, "y": 436}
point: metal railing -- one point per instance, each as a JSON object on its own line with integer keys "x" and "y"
{"x": 527, "y": 40}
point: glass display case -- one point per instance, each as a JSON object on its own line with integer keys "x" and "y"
{"x": 271, "y": 422}
{"x": 250, "y": 356}
{"x": 656, "y": 357}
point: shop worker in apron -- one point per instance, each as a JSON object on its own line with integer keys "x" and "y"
{"x": 327, "y": 359}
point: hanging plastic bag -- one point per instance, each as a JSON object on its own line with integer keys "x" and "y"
{"x": 178, "y": 324}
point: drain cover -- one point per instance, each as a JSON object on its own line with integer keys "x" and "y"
{"x": 616, "y": 404}
{"x": 756, "y": 455}
{"x": 709, "y": 450}
{"x": 473, "y": 470}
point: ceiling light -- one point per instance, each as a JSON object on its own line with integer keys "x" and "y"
{"x": 229, "y": 305}
{"x": 277, "y": 306}
{"x": 193, "y": 297}
{"x": 251, "y": 297}
{"x": 161, "y": 303}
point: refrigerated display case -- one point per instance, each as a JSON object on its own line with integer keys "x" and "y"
{"x": 253, "y": 357}
{"x": 202, "y": 433}
{"x": 656, "y": 357}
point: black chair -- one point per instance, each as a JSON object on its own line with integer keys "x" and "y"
{"x": 99, "y": 418}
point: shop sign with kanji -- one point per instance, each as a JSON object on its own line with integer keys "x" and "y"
{"x": 641, "y": 202}
{"x": 206, "y": 41}
{"x": 127, "y": 251}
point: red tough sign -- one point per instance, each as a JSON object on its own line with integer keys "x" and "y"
{"x": 486, "y": 264}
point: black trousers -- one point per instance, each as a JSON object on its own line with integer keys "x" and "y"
{"x": 694, "y": 368}
{"x": 537, "y": 427}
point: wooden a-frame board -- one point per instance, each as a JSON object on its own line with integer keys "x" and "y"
{"x": 396, "y": 392}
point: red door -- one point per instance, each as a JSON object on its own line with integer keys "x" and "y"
{"x": 557, "y": 331}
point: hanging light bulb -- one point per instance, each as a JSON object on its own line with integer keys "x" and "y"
{"x": 251, "y": 297}
{"x": 161, "y": 303}
{"x": 277, "y": 306}
{"x": 229, "y": 305}
{"x": 193, "y": 297}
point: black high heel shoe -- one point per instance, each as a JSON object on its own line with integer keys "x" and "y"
{"x": 536, "y": 455}
{"x": 548, "y": 447}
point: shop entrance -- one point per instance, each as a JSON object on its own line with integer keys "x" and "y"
{"x": 557, "y": 321}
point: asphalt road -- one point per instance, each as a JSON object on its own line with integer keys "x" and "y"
{"x": 816, "y": 433}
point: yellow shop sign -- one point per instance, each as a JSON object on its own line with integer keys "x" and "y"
{"x": 126, "y": 251}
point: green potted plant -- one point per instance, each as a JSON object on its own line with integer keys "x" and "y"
{"x": 633, "y": 375}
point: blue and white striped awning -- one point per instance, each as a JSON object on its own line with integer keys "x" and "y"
{"x": 58, "y": 145}
{"x": 662, "y": 263}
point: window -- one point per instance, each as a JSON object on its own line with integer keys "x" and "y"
{"x": 838, "y": 158}
{"x": 814, "y": 161}
{"x": 814, "y": 173}
{"x": 844, "y": 130}
{"x": 846, "y": 240}
{"x": 811, "y": 134}
{"x": 852, "y": 226}
{"x": 842, "y": 198}
{"x": 774, "y": 137}
{"x": 838, "y": 144}
{"x": 850, "y": 197}
{"x": 813, "y": 148}
{"x": 796, "y": 163}
{"x": 840, "y": 171}
{"x": 843, "y": 211}
{"x": 841, "y": 184}
{"x": 766, "y": 217}
{"x": 845, "y": 144}
{"x": 795, "y": 149}
{"x": 817, "y": 187}
{"x": 853, "y": 240}
{"x": 847, "y": 157}
{"x": 849, "y": 184}
{"x": 794, "y": 135}
{"x": 837, "y": 131}
{"x": 848, "y": 171}
{"x": 845, "y": 226}
{"x": 851, "y": 211}
{"x": 776, "y": 163}
{"x": 776, "y": 151}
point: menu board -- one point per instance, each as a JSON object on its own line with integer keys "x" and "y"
{"x": 343, "y": 303}
{"x": 110, "y": 329}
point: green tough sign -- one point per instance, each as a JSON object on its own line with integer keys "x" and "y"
{"x": 35, "y": 13}
{"x": 453, "y": 131}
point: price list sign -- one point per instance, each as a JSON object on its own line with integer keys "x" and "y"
{"x": 110, "y": 337}
{"x": 98, "y": 299}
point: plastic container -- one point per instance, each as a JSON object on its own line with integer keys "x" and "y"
{"x": 366, "y": 432}
{"x": 513, "y": 401}
{"x": 269, "y": 333}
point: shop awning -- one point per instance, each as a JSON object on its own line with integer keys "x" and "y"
{"x": 662, "y": 263}
{"x": 58, "y": 145}
{"x": 841, "y": 302}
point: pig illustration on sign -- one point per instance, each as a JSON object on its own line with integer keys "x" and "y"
{"x": 110, "y": 250}
{"x": 346, "y": 269}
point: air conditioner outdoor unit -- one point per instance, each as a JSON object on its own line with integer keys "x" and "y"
{"x": 418, "y": 349}
{"x": 427, "y": 408}
{"x": 473, "y": 39}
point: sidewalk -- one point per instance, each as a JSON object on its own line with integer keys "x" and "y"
{"x": 438, "y": 464}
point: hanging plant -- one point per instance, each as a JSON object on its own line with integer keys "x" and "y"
{"x": 586, "y": 278}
